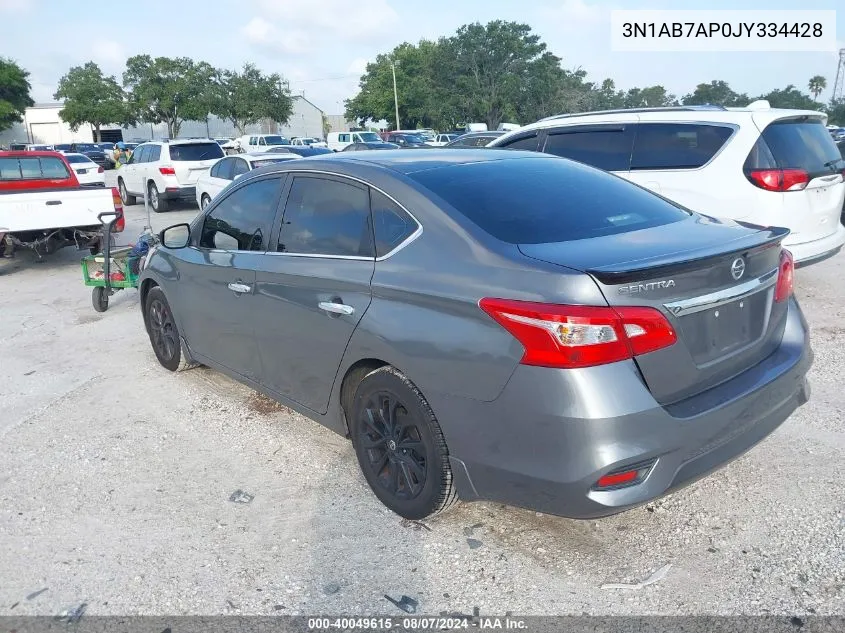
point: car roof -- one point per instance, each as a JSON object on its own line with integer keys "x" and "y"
{"x": 17, "y": 153}
{"x": 412, "y": 161}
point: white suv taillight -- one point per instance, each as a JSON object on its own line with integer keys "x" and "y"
{"x": 580, "y": 336}
{"x": 779, "y": 179}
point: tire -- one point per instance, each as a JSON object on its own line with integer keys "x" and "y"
{"x": 124, "y": 195}
{"x": 100, "y": 299}
{"x": 158, "y": 204}
{"x": 163, "y": 333}
{"x": 204, "y": 201}
{"x": 402, "y": 455}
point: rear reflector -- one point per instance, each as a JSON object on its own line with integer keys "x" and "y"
{"x": 629, "y": 476}
{"x": 786, "y": 277}
{"x": 167, "y": 171}
{"x": 779, "y": 179}
{"x": 100, "y": 170}
{"x": 580, "y": 336}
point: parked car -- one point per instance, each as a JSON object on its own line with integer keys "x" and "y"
{"x": 363, "y": 147}
{"x": 474, "y": 140}
{"x": 260, "y": 142}
{"x": 34, "y": 147}
{"x": 300, "y": 150}
{"x": 716, "y": 161}
{"x": 443, "y": 139}
{"x": 476, "y": 127}
{"x": 469, "y": 350}
{"x": 88, "y": 173}
{"x": 230, "y": 168}
{"x": 94, "y": 152}
{"x": 407, "y": 140}
{"x": 841, "y": 147}
{"x": 43, "y": 207}
{"x": 336, "y": 141}
{"x": 166, "y": 170}
{"x": 307, "y": 142}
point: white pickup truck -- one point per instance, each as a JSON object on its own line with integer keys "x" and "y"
{"x": 43, "y": 207}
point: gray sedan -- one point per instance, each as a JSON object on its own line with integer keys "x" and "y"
{"x": 489, "y": 324}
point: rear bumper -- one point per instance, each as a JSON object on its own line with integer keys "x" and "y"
{"x": 806, "y": 253}
{"x": 545, "y": 441}
{"x": 179, "y": 193}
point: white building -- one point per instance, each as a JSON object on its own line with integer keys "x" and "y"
{"x": 42, "y": 124}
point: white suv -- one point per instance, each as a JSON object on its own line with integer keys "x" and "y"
{"x": 166, "y": 170}
{"x": 755, "y": 164}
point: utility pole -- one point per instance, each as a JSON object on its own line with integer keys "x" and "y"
{"x": 839, "y": 83}
{"x": 395, "y": 93}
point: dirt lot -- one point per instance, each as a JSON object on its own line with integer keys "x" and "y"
{"x": 116, "y": 479}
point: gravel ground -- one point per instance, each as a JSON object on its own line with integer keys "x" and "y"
{"x": 116, "y": 481}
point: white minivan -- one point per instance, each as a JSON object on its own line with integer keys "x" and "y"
{"x": 337, "y": 141}
{"x": 755, "y": 164}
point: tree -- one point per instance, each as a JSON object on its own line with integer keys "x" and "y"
{"x": 836, "y": 112}
{"x": 790, "y": 97}
{"x": 89, "y": 97}
{"x": 248, "y": 97}
{"x": 170, "y": 90}
{"x": 650, "y": 97}
{"x": 717, "y": 93}
{"x": 817, "y": 84}
{"x": 14, "y": 93}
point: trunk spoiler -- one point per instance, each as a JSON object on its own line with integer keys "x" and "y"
{"x": 675, "y": 263}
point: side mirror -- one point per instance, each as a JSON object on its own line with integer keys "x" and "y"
{"x": 176, "y": 236}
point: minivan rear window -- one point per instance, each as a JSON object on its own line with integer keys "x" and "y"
{"x": 195, "y": 151}
{"x": 540, "y": 200}
{"x": 677, "y": 145}
{"x": 797, "y": 144}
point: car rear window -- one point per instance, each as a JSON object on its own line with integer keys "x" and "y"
{"x": 540, "y": 200}
{"x": 78, "y": 159}
{"x": 796, "y": 144}
{"x": 32, "y": 168}
{"x": 195, "y": 151}
{"x": 677, "y": 145}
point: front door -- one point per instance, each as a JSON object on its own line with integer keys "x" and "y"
{"x": 312, "y": 292}
{"x": 219, "y": 273}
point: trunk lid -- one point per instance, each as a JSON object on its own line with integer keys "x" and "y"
{"x": 714, "y": 280}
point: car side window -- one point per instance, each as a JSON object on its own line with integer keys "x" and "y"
{"x": 606, "y": 147}
{"x": 242, "y": 220}
{"x": 391, "y": 224}
{"x": 528, "y": 143}
{"x": 677, "y": 145}
{"x": 253, "y": 140}
{"x": 214, "y": 172}
{"x": 153, "y": 154}
{"x": 343, "y": 138}
{"x": 139, "y": 155}
{"x": 262, "y": 141}
{"x": 239, "y": 168}
{"x": 226, "y": 170}
{"x": 326, "y": 217}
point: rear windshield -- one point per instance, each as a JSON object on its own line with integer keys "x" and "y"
{"x": 87, "y": 147}
{"x": 32, "y": 168}
{"x": 78, "y": 159}
{"x": 195, "y": 151}
{"x": 276, "y": 140}
{"x": 797, "y": 144}
{"x": 539, "y": 200}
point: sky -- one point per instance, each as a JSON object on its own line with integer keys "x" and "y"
{"x": 322, "y": 46}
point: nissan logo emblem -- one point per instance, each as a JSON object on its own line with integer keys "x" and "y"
{"x": 738, "y": 268}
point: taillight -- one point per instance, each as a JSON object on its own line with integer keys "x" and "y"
{"x": 120, "y": 221}
{"x": 786, "y": 276}
{"x": 580, "y": 336}
{"x": 167, "y": 171}
{"x": 100, "y": 170}
{"x": 779, "y": 179}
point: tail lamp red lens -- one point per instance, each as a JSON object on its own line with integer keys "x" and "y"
{"x": 779, "y": 179}
{"x": 580, "y": 336}
{"x": 117, "y": 202}
{"x": 100, "y": 170}
{"x": 786, "y": 277}
{"x": 167, "y": 171}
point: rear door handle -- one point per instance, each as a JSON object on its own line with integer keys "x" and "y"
{"x": 336, "y": 308}
{"x": 240, "y": 288}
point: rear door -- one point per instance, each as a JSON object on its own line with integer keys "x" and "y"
{"x": 191, "y": 160}
{"x": 311, "y": 294}
{"x": 221, "y": 175}
{"x": 131, "y": 172}
{"x": 803, "y": 144}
